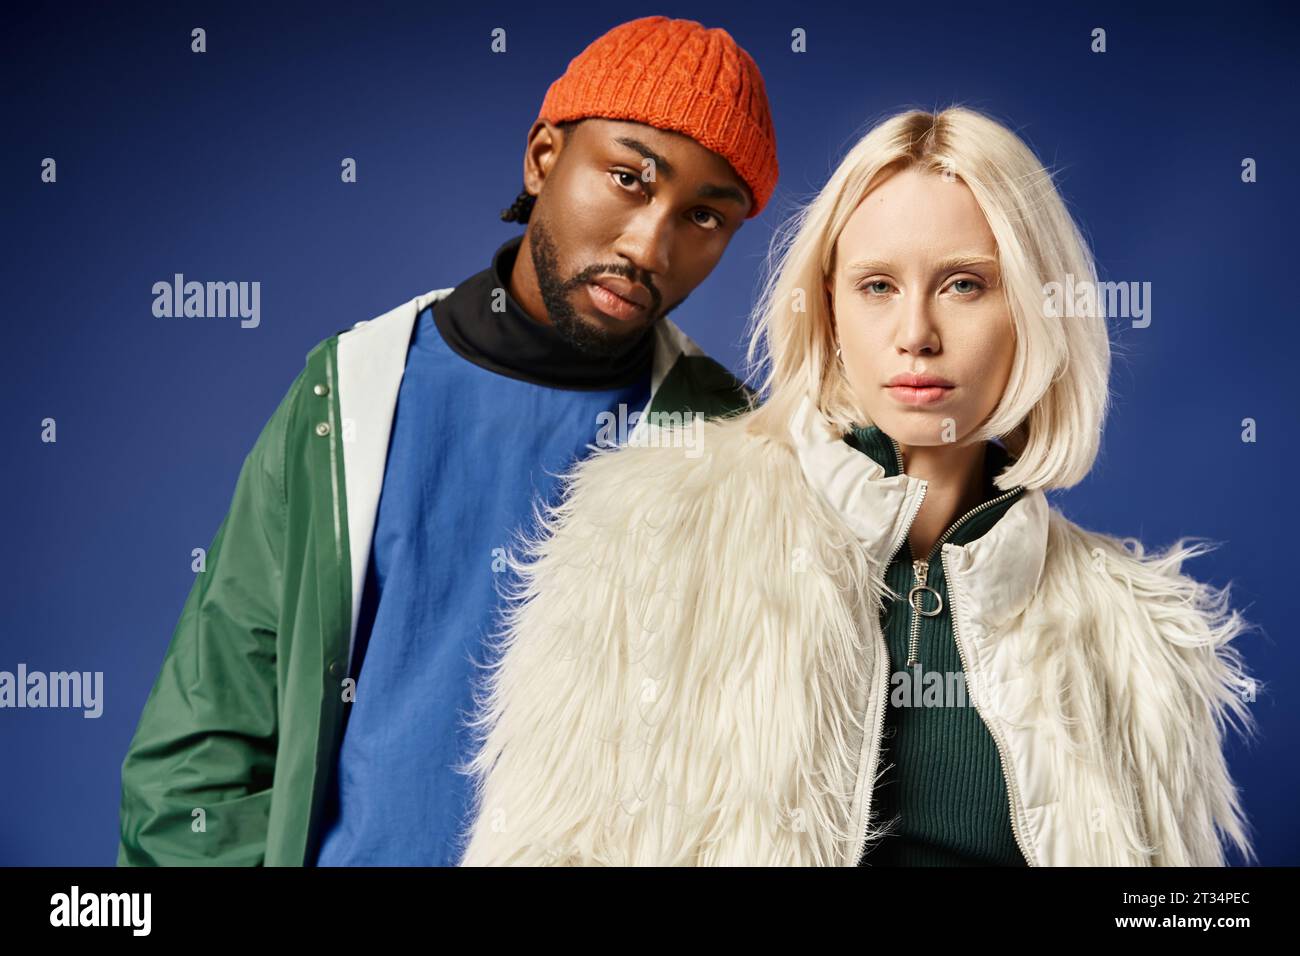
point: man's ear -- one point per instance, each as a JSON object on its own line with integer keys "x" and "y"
{"x": 545, "y": 142}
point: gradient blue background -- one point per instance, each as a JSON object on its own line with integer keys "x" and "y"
{"x": 225, "y": 166}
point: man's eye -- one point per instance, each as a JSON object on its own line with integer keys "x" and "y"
{"x": 713, "y": 217}
{"x": 623, "y": 172}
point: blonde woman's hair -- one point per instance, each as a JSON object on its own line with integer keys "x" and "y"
{"x": 1052, "y": 411}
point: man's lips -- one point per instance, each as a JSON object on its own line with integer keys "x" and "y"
{"x": 633, "y": 292}
{"x": 613, "y": 304}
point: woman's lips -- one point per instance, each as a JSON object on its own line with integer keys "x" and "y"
{"x": 612, "y": 305}
{"x": 928, "y": 395}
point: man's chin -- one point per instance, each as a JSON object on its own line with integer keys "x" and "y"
{"x": 600, "y": 334}
{"x": 623, "y": 330}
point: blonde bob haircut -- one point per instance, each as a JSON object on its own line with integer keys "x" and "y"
{"x": 1051, "y": 414}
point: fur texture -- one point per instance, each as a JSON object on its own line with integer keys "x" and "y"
{"x": 689, "y": 670}
{"x": 1138, "y": 680}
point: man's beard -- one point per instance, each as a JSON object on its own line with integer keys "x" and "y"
{"x": 587, "y": 338}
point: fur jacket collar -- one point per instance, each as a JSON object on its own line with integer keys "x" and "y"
{"x": 691, "y": 669}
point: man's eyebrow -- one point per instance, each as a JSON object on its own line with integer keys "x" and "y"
{"x": 706, "y": 191}
{"x": 661, "y": 164}
{"x": 712, "y": 191}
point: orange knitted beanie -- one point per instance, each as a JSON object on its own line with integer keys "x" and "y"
{"x": 676, "y": 75}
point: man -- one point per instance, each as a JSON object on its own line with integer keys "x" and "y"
{"x": 310, "y": 709}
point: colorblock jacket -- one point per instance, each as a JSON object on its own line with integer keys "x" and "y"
{"x": 232, "y": 757}
{"x": 694, "y": 673}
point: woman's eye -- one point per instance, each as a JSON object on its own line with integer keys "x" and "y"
{"x": 879, "y": 287}
{"x": 965, "y": 286}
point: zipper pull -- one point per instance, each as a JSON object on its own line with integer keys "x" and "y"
{"x": 920, "y": 570}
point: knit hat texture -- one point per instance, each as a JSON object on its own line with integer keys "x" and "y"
{"x": 676, "y": 75}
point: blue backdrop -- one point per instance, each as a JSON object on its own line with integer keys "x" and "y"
{"x": 225, "y": 166}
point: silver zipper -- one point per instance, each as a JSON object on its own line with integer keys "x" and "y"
{"x": 865, "y": 794}
{"x": 921, "y": 568}
{"x": 1013, "y": 791}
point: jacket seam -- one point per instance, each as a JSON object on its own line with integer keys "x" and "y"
{"x": 283, "y": 498}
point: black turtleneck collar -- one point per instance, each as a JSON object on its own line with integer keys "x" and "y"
{"x": 511, "y": 343}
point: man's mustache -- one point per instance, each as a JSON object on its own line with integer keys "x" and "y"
{"x": 591, "y": 273}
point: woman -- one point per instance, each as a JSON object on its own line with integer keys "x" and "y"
{"x": 758, "y": 654}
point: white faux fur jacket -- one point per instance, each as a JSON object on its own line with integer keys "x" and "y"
{"x": 693, "y": 672}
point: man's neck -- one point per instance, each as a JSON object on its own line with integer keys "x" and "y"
{"x": 503, "y": 337}
{"x": 524, "y": 286}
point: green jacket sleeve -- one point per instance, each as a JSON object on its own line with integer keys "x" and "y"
{"x": 196, "y": 780}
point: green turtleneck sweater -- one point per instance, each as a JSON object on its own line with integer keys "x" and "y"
{"x": 942, "y": 772}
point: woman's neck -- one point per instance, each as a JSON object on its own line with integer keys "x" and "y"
{"x": 955, "y": 484}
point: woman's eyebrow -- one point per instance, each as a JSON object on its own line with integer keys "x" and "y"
{"x": 944, "y": 265}
{"x": 966, "y": 262}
